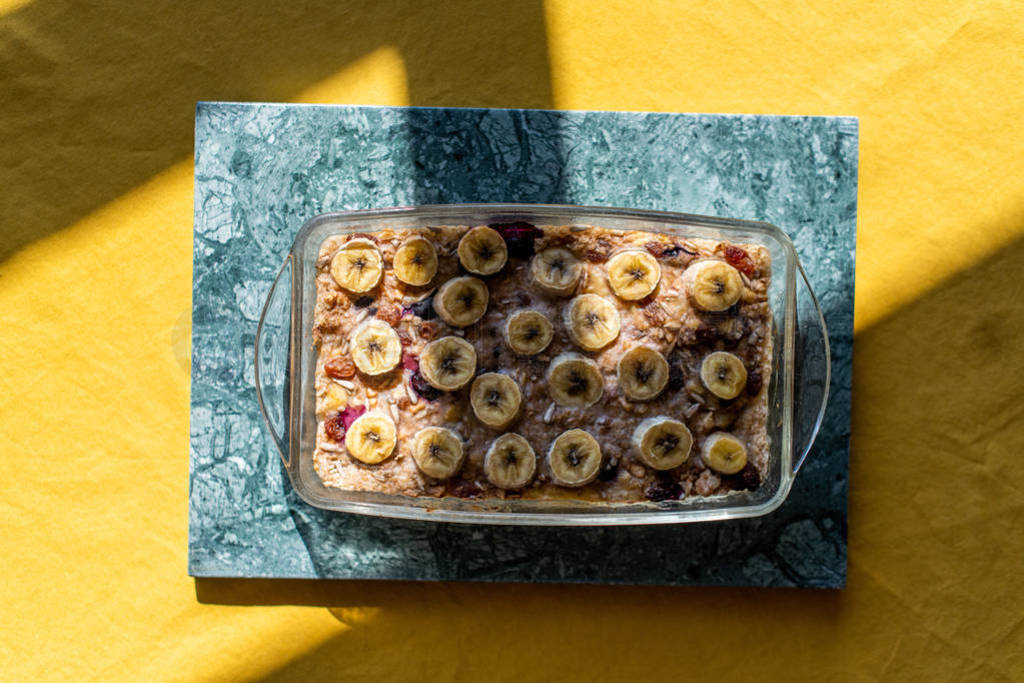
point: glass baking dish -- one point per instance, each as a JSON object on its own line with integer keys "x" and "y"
{"x": 285, "y": 360}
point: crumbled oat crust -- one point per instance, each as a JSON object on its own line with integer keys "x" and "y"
{"x": 665, "y": 320}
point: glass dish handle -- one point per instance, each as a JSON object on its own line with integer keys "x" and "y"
{"x": 271, "y": 359}
{"x": 813, "y": 370}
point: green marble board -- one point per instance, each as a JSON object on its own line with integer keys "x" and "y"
{"x": 261, "y": 170}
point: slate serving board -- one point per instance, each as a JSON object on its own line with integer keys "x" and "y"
{"x": 261, "y": 170}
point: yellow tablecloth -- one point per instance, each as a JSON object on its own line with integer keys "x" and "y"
{"x": 96, "y": 103}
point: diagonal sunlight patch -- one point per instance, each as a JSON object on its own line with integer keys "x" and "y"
{"x": 377, "y": 78}
{"x": 354, "y": 616}
{"x": 97, "y": 322}
{"x": 98, "y": 259}
{"x": 938, "y": 122}
{"x": 8, "y": 6}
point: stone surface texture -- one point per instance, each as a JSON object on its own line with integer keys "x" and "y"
{"x": 262, "y": 170}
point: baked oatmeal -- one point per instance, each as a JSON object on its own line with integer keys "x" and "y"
{"x": 541, "y": 362}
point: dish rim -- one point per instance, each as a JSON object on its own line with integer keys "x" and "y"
{"x": 603, "y": 514}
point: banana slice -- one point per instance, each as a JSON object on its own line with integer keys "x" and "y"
{"x": 357, "y": 266}
{"x": 415, "y": 262}
{"x": 575, "y": 458}
{"x": 510, "y": 462}
{"x": 713, "y": 285}
{"x": 723, "y": 374}
{"x": 633, "y": 274}
{"x": 438, "y": 452}
{"x": 574, "y": 380}
{"x": 724, "y": 453}
{"x": 371, "y": 438}
{"x": 462, "y": 301}
{"x": 334, "y": 399}
{"x": 643, "y": 373}
{"x": 483, "y": 251}
{"x": 376, "y": 348}
{"x": 592, "y": 321}
{"x": 663, "y": 443}
{"x": 556, "y": 271}
{"x": 448, "y": 363}
{"x": 496, "y": 399}
{"x": 528, "y": 332}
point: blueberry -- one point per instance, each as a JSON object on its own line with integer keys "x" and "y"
{"x": 751, "y": 479}
{"x": 754, "y": 382}
{"x": 519, "y": 237}
{"x": 747, "y": 478}
{"x": 424, "y": 309}
{"x": 706, "y": 334}
{"x": 423, "y": 388}
{"x": 664, "y": 489}
{"x": 464, "y": 488}
{"x": 609, "y": 472}
{"x": 676, "y": 376}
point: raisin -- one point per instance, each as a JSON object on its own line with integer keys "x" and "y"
{"x": 754, "y": 382}
{"x": 423, "y": 388}
{"x": 657, "y": 249}
{"x": 664, "y": 489}
{"x": 340, "y": 368}
{"x": 740, "y": 260}
{"x": 363, "y": 301}
{"x": 524, "y": 298}
{"x": 519, "y": 237}
{"x": 334, "y": 427}
{"x": 601, "y": 250}
{"x": 424, "y": 309}
{"x": 389, "y": 314}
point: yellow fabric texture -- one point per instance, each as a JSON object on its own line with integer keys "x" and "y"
{"x": 96, "y": 106}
